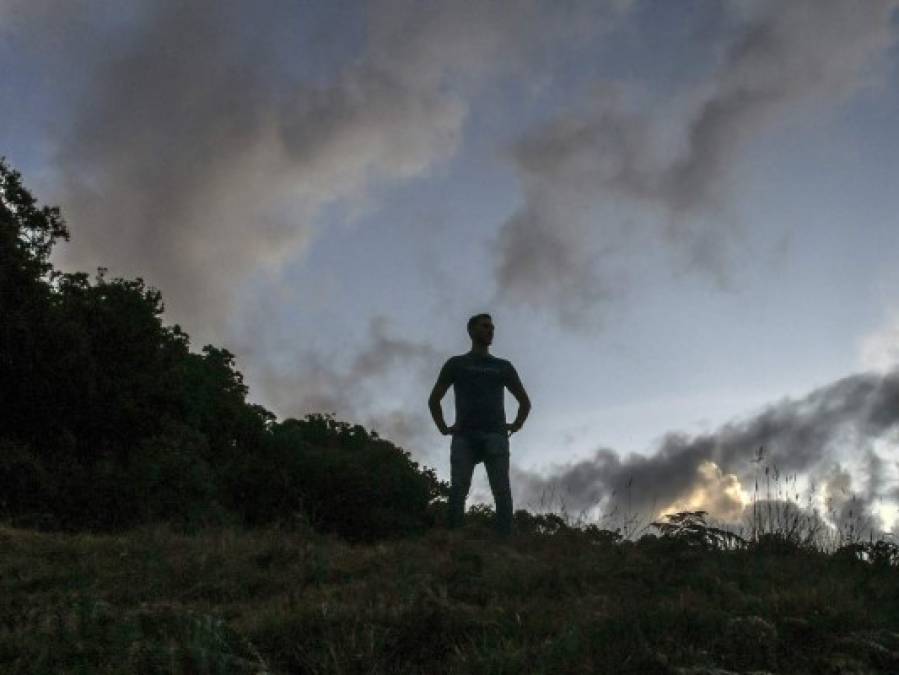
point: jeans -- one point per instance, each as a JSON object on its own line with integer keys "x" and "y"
{"x": 468, "y": 450}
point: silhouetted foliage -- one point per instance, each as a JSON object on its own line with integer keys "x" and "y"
{"x": 690, "y": 528}
{"x": 344, "y": 479}
{"x": 110, "y": 420}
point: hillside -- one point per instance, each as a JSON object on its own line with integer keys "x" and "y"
{"x": 230, "y": 600}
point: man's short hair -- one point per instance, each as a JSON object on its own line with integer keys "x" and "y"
{"x": 473, "y": 320}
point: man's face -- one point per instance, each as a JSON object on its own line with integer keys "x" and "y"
{"x": 483, "y": 331}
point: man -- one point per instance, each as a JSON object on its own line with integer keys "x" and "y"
{"x": 480, "y": 432}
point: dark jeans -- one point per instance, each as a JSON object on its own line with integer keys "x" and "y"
{"x": 468, "y": 450}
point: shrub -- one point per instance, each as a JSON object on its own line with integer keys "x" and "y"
{"x": 28, "y": 488}
{"x": 343, "y": 479}
{"x": 690, "y": 527}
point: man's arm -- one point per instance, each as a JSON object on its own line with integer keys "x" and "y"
{"x": 444, "y": 381}
{"x": 524, "y": 402}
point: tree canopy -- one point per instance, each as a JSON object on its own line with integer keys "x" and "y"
{"x": 109, "y": 418}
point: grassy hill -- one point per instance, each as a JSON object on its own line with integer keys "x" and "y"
{"x": 276, "y": 600}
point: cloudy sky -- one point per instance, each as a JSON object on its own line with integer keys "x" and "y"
{"x": 681, "y": 216}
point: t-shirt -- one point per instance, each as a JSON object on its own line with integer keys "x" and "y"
{"x": 478, "y": 382}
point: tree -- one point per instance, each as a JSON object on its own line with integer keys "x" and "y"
{"x": 110, "y": 420}
{"x": 27, "y": 236}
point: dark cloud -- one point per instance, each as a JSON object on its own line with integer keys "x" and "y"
{"x": 803, "y": 436}
{"x": 529, "y": 270}
{"x": 613, "y": 150}
{"x": 790, "y": 54}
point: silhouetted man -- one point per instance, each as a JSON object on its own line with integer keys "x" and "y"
{"x": 480, "y": 432}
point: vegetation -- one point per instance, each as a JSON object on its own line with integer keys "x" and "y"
{"x": 111, "y": 421}
{"x": 154, "y": 521}
{"x": 554, "y": 599}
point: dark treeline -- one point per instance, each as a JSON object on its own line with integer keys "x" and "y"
{"x": 108, "y": 419}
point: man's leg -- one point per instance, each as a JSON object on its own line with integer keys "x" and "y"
{"x": 496, "y": 460}
{"x": 462, "y": 463}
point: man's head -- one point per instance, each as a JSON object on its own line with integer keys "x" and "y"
{"x": 480, "y": 329}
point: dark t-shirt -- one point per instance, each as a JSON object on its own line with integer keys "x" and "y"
{"x": 478, "y": 383}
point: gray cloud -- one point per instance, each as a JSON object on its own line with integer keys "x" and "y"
{"x": 200, "y": 146}
{"x": 198, "y": 143}
{"x": 195, "y": 160}
{"x": 666, "y": 171}
{"x": 802, "y": 436}
{"x": 315, "y": 382}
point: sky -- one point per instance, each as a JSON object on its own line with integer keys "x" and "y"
{"x": 680, "y": 216}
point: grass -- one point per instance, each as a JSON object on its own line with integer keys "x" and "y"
{"x": 566, "y": 597}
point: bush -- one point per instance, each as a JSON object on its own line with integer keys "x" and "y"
{"x": 175, "y": 482}
{"x": 28, "y": 488}
{"x": 347, "y": 481}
